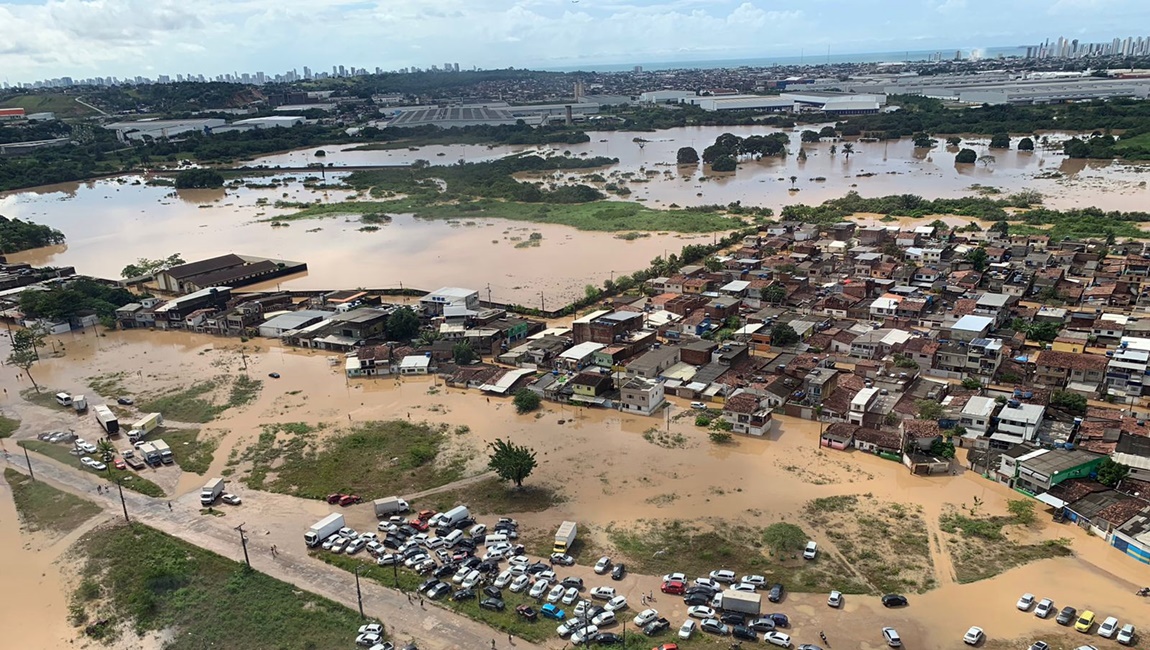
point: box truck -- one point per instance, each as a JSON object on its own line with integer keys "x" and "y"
{"x": 165, "y": 452}
{"x": 149, "y": 453}
{"x": 211, "y": 491}
{"x": 390, "y": 506}
{"x": 107, "y": 420}
{"x": 144, "y": 426}
{"x": 741, "y": 601}
{"x": 323, "y": 529}
{"x": 565, "y": 537}
{"x": 80, "y": 403}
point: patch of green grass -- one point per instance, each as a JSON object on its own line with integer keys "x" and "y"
{"x": 131, "y": 480}
{"x": 109, "y": 385}
{"x": 46, "y": 397}
{"x": 8, "y": 426}
{"x": 194, "y": 404}
{"x": 192, "y": 453}
{"x": 373, "y": 460}
{"x": 495, "y": 497}
{"x": 43, "y": 507}
{"x": 244, "y": 391}
{"x": 157, "y": 582}
{"x": 61, "y": 105}
{"x": 979, "y": 548}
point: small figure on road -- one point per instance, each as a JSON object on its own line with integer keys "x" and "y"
{"x": 493, "y": 644}
{"x": 509, "y": 641}
{"x": 169, "y": 506}
{"x": 275, "y": 551}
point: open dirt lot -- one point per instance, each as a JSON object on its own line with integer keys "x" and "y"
{"x": 599, "y": 469}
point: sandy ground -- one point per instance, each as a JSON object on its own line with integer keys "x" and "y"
{"x": 605, "y": 468}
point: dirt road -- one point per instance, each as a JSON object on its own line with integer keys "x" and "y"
{"x": 432, "y": 627}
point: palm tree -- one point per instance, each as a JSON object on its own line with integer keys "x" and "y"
{"x": 107, "y": 452}
{"x": 848, "y": 149}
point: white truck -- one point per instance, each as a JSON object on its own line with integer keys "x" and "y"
{"x": 565, "y": 537}
{"x": 390, "y": 506}
{"x": 80, "y": 403}
{"x": 165, "y": 452}
{"x": 452, "y": 517}
{"x": 107, "y": 419}
{"x": 211, "y": 491}
{"x": 323, "y": 529}
{"x": 149, "y": 453}
{"x": 743, "y": 602}
{"x": 144, "y": 426}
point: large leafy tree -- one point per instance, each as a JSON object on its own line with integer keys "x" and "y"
{"x": 783, "y": 335}
{"x": 1110, "y": 472}
{"x": 402, "y": 324}
{"x": 510, "y": 461}
{"x": 687, "y": 156}
{"x": 782, "y": 537}
{"x": 25, "y": 353}
{"x": 145, "y": 266}
{"x": 463, "y": 353}
{"x": 526, "y": 401}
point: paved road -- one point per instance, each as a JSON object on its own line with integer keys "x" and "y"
{"x": 433, "y": 627}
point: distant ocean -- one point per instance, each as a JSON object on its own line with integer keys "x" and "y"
{"x": 807, "y": 59}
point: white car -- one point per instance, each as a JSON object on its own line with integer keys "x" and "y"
{"x": 94, "y": 464}
{"x": 778, "y": 638}
{"x": 471, "y": 580}
{"x": 603, "y": 593}
{"x": 744, "y": 587}
{"x": 644, "y": 617}
{"x": 723, "y": 575}
{"x": 369, "y": 536}
{"x": 835, "y": 599}
{"x": 681, "y": 577}
{"x": 418, "y": 558}
{"x": 584, "y": 634}
{"x": 570, "y": 596}
{"x": 568, "y": 626}
{"x": 758, "y": 581}
{"x": 810, "y": 551}
{"x": 460, "y": 575}
{"x": 546, "y": 575}
{"x": 355, "y": 546}
{"x": 368, "y": 640}
{"x": 503, "y": 579}
{"x": 519, "y": 560}
{"x": 371, "y": 628}
{"x": 708, "y": 582}
{"x": 539, "y": 588}
{"x": 494, "y": 554}
{"x": 1044, "y": 608}
{"x": 387, "y": 559}
{"x": 520, "y": 583}
{"x": 580, "y": 608}
{"x": 615, "y": 604}
{"x": 562, "y": 559}
{"x": 555, "y": 594}
{"x": 604, "y": 619}
{"x": 892, "y": 638}
{"x": 1026, "y": 602}
{"x": 698, "y": 406}
{"x": 700, "y": 611}
{"x": 973, "y": 636}
{"x": 339, "y": 545}
{"x": 330, "y": 541}
{"x": 1108, "y": 628}
{"x": 88, "y": 447}
{"x": 603, "y": 565}
{"x": 687, "y": 629}
{"x": 1126, "y": 634}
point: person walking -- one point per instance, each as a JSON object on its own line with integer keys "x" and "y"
{"x": 169, "y": 506}
{"x": 493, "y": 644}
{"x": 509, "y": 641}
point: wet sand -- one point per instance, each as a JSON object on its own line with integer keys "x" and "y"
{"x": 608, "y": 473}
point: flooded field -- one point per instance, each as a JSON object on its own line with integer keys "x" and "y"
{"x": 610, "y": 469}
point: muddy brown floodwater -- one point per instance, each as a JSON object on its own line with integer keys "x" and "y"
{"x": 604, "y": 467}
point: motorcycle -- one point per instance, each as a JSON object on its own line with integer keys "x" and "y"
{"x": 1144, "y": 591}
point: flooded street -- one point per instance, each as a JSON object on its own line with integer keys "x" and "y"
{"x": 605, "y": 469}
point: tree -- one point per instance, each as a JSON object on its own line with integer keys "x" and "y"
{"x": 978, "y": 258}
{"x": 687, "y": 156}
{"x": 848, "y": 149}
{"x": 724, "y": 163}
{"x": 320, "y": 153}
{"x": 928, "y": 409}
{"x": 107, "y": 452}
{"x": 987, "y": 160}
{"x": 942, "y": 448}
{"x": 1000, "y": 141}
{"x": 965, "y": 157}
{"x": 970, "y": 383}
{"x": 834, "y": 149}
{"x": 526, "y": 401}
{"x": 463, "y": 353}
{"x": 402, "y": 324}
{"x": 1022, "y": 510}
{"x": 793, "y": 179}
{"x": 1069, "y": 402}
{"x": 783, "y": 335}
{"x": 591, "y": 292}
{"x": 1026, "y": 144}
{"x": 773, "y": 294}
{"x": 25, "y": 344}
{"x": 145, "y": 266}
{"x": 713, "y": 264}
{"x": 720, "y": 437}
{"x": 783, "y": 538}
{"x": 510, "y": 461}
{"x": 802, "y": 157}
{"x": 954, "y": 141}
{"x": 828, "y": 132}
{"x": 923, "y": 141}
{"x": 1110, "y": 472}
{"x": 809, "y": 136}
{"x": 199, "y": 179}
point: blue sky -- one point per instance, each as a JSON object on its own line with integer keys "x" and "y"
{"x": 81, "y": 38}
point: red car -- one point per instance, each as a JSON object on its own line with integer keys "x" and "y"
{"x": 419, "y": 525}
{"x": 349, "y": 499}
{"x": 424, "y": 515}
{"x": 667, "y": 646}
{"x": 120, "y": 464}
{"x": 334, "y": 498}
{"x": 675, "y": 587}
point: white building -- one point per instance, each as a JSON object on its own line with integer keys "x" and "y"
{"x": 641, "y": 396}
{"x": 1019, "y": 422}
{"x": 274, "y": 328}
{"x": 415, "y": 364}
{"x": 436, "y": 301}
{"x": 1126, "y": 374}
{"x": 976, "y": 415}
{"x": 861, "y": 403}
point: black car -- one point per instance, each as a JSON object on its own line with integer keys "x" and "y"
{"x": 696, "y": 599}
{"x": 780, "y": 620}
{"x": 487, "y": 566}
{"x": 470, "y": 562}
{"x": 745, "y": 633}
{"x": 733, "y": 618}
{"x": 427, "y": 584}
{"x": 392, "y": 542}
{"x": 494, "y": 604}
{"x": 463, "y": 594}
{"x": 407, "y": 530}
{"x": 440, "y": 590}
{"x": 124, "y": 401}
{"x": 594, "y": 611}
{"x": 527, "y": 612}
{"x": 537, "y": 567}
{"x": 764, "y": 624}
{"x": 656, "y": 626}
{"x": 702, "y": 589}
{"x": 491, "y": 591}
{"x": 606, "y": 638}
{"x": 572, "y": 581}
{"x": 894, "y": 600}
{"x": 445, "y": 570}
{"x": 776, "y": 593}
{"x": 1067, "y": 616}
{"x": 619, "y": 571}
{"x": 465, "y": 545}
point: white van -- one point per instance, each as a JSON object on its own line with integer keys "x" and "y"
{"x": 497, "y": 538}
{"x": 452, "y": 538}
{"x": 63, "y": 399}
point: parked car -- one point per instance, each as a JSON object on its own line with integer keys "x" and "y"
{"x": 526, "y": 612}
{"x": 692, "y": 600}
{"x": 570, "y": 596}
{"x": 503, "y": 579}
{"x": 733, "y": 618}
{"x": 603, "y": 619}
{"x": 744, "y": 587}
{"x": 810, "y": 551}
{"x": 892, "y": 638}
{"x": 698, "y": 406}
{"x": 349, "y": 500}
{"x": 757, "y": 580}
{"x": 125, "y": 401}
{"x": 1126, "y": 634}
{"x": 355, "y": 546}
{"x": 463, "y": 594}
{"x": 520, "y": 583}
{"x": 701, "y": 611}
{"x": 94, "y": 464}
{"x": 619, "y": 571}
{"x": 656, "y": 626}
{"x": 714, "y": 626}
{"x": 552, "y": 612}
{"x": 491, "y": 591}
{"x": 539, "y": 588}
{"x": 572, "y": 582}
{"x": 1039, "y": 645}
{"x": 603, "y": 593}
{"x": 1044, "y": 608}
{"x": 673, "y": 587}
{"x": 368, "y": 639}
{"x": 894, "y": 600}
{"x": 439, "y": 590}
{"x": 494, "y": 604}
{"x": 681, "y": 577}
{"x": 562, "y": 559}
{"x": 603, "y": 565}
{"x": 555, "y": 594}
{"x": 776, "y": 593}
{"x": 973, "y": 636}
{"x": 687, "y": 629}
{"x": 762, "y": 624}
{"x": 778, "y": 638}
{"x": 1026, "y": 602}
{"x": 1085, "y": 621}
{"x": 1108, "y": 628}
{"x": 723, "y": 575}
{"x": 584, "y": 634}
{"x": 1067, "y": 616}
{"x": 606, "y": 638}
{"x": 744, "y": 633}
{"x": 780, "y": 620}
{"x": 835, "y": 599}
{"x": 617, "y": 603}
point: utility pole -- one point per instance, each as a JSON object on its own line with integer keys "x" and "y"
{"x": 488, "y": 294}
{"x": 542, "y": 308}
{"x": 123, "y": 504}
{"x": 244, "y": 543}
{"x": 358, "y": 593}
{"x": 395, "y": 573}
{"x": 29, "y": 462}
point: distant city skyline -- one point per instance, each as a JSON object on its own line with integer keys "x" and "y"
{"x": 45, "y": 39}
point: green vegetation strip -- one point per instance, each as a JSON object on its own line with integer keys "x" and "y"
{"x": 373, "y": 460}
{"x": 193, "y": 404}
{"x": 8, "y": 426}
{"x": 191, "y": 448}
{"x": 62, "y": 453}
{"x": 199, "y": 599}
{"x": 980, "y": 548}
{"x": 495, "y": 497}
{"x": 43, "y": 507}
